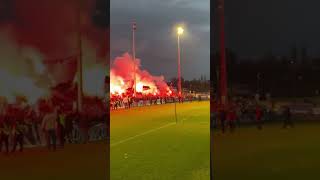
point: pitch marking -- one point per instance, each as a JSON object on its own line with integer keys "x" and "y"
{"x": 142, "y": 134}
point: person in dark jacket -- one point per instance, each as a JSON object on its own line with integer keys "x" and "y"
{"x": 19, "y": 129}
{"x": 84, "y": 127}
{"x": 223, "y": 116}
{"x": 213, "y": 116}
{"x": 4, "y": 135}
{"x": 231, "y": 117}
{"x": 287, "y": 117}
{"x": 61, "y": 122}
{"x": 68, "y": 128}
{"x": 259, "y": 117}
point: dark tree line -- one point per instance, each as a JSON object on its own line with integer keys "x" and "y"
{"x": 284, "y": 76}
{"x": 197, "y": 85}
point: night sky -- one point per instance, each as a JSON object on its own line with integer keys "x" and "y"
{"x": 156, "y": 38}
{"x": 101, "y": 17}
{"x": 256, "y": 27}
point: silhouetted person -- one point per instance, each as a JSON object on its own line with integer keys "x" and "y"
{"x": 199, "y": 98}
{"x": 28, "y": 134}
{"x": 84, "y": 127}
{"x": 287, "y": 118}
{"x": 19, "y": 128}
{"x": 214, "y": 117}
{"x": 61, "y": 127}
{"x": 36, "y": 121}
{"x": 223, "y": 117}
{"x": 231, "y": 117}
{"x": 68, "y": 127}
{"x": 4, "y": 135}
{"x": 259, "y": 117}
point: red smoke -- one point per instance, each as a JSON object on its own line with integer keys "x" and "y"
{"x": 47, "y": 25}
{"x": 51, "y": 26}
{"x": 122, "y": 78}
{"x": 50, "y": 29}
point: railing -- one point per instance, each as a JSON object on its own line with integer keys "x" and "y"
{"x": 97, "y": 132}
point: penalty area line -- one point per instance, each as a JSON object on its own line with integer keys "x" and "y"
{"x": 142, "y": 134}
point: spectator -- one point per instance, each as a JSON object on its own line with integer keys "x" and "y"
{"x": 36, "y": 121}
{"x": 84, "y": 128}
{"x": 61, "y": 127}
{"x": 4, "y": 134}
{"x": 68, "y": 127}
{"x": 231, "y": 117}
{"x": 259, "y": 117}
{"x": 222, "y": 119}
{"x": 19, "y": 129}
{"x": 287, "y": 118}
{"x": 75, "y": 128}
{"x": 49, "y": 126}
{"x": 214, "y": 114}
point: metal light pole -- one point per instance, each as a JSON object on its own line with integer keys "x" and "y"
{"x": 258, "y": 82}
{"x": 80, "y": 90}
{"x": 134, "y": 27}
{"x": 223, "y": 69}
{"x": 180, "y": 31}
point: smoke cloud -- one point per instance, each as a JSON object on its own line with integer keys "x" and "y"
{"x": 122, "y": 77}
{"x": 39, "y": 46}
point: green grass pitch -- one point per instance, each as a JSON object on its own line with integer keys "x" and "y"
{"x": 273, "y": 153}
{"x": 146, "y": 143}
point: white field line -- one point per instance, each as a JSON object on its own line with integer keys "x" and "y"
{"x": 139, "y": 135}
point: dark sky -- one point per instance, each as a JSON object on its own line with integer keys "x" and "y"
{"x": 155, "y": 35}
{"x": 102, "y": 16}
{"x": 255, "y": 27}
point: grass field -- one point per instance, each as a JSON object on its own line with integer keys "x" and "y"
{"x": 80, "y": 162}
{"x": 272, "y": 153}
{"x": 147, "y": 144}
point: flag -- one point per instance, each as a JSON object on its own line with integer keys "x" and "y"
{"x": 146, "y": 88}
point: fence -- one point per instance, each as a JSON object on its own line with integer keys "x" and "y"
{"x": 299, "y": 112}
{"x": 35, "y": 138}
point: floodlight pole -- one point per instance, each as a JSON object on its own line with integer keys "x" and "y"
{"x": 223, "y": 69}
{"x": 79, "y": 67}
{"x": 179, "y": 67}
{"x": 134, "y": 27}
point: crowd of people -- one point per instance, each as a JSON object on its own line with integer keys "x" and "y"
{"x": 127, "y": 102}
{"x": 242, "y": 111}
{"x": 53, "y": 128}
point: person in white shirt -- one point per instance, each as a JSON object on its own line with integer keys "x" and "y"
{"x": 49, "y": 126}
